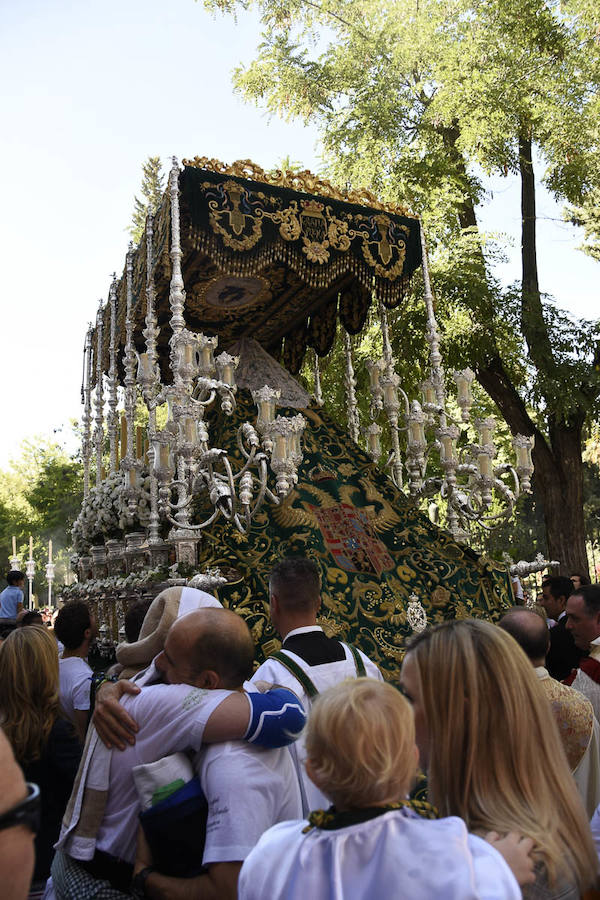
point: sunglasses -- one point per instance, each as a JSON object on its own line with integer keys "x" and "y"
{"x": 27, "y": 812}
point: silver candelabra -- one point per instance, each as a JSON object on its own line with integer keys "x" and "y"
{"x": 183, "y": 462}
{"x": 469, "y": 481}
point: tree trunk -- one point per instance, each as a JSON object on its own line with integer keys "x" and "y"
{"x": 558, "y": 476}
{"x": 560, "y": 483}
{"x": 532, "y": 314}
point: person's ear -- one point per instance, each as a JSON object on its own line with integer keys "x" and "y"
{"x": 87, "y": 634}
{"x": 209, "y": 680}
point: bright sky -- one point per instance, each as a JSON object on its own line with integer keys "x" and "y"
{"x": 90, "y": 90}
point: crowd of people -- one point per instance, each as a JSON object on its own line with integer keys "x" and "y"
{"x": 185, "y": 772}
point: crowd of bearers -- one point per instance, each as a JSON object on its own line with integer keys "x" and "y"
{"x": 198, "y": 779}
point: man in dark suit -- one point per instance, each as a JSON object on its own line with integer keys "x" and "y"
{"x": 563, "y": 655}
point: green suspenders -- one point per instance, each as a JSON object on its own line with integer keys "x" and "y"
{"x": 301, "y": 676}
{"x": 358, "y": 661}
{"x": 298, "y": 673}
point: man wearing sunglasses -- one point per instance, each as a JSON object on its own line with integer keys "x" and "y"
{"x": 19, "y": 820}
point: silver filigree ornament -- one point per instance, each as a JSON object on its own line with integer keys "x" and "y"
{"x": 415, "y": 614}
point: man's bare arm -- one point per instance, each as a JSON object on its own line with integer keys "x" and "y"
{"x": 113, "y": 723}
{"x": 219, "y": 883}
{"x": 116, "y": 727}
{"x": 273, "y": 719}
{"x": 231, "y": 720}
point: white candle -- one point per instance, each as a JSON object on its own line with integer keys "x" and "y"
{"x": 374, "y": 445}
{"x": 30, "y": 547}
{"x": 485, "y": 465}
{"x": 428, "y": 392}
{"x": 165, "y": 457}
{"x": 416, "y": 432}
{"x": 448, "y": 447}
{"x": 14, "y": 546}
{"x": 389, "y": 393}
{"x": 123, "y": 435}
{"x": 188, "y": 354}
{"x": 49, "y": 551}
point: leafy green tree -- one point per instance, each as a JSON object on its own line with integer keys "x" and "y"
{"x": 56, "y": 494}
{"x": 40, "y": 495}
{"x": 287, "y": 164}
{"x": 153, "y": 185}
{"x": 413, "y": 102}
{"x": 587, "y": 216}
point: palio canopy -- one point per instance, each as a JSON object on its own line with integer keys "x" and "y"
{"x": 278, "y": 256}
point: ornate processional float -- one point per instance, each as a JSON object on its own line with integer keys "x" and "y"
{"x": 204, "y": 451}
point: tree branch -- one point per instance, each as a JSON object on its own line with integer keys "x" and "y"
{"x": 494, "y": 379}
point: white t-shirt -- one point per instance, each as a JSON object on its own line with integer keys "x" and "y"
{"x": 172, "y": 718}
{"x": 323, "y": 677}
{"x": 396, "y": 855}
{"x": 75, "y": 678}
{"x": 248, "y": 790}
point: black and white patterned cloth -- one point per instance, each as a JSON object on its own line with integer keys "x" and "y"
{"x": 71, "y": 880}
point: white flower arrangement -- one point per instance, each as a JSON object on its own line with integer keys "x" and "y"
{"x": 141, "y": 517}
{"x": 100, "y": 513}
{"x": 105, "y": 512}
{"x": 114, "y": 583}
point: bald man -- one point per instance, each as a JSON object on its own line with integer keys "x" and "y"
{"x": 206, "y": 656}
{"x": 248, "y": 788}
{"x": 574, "y": 714}
{"x": 17, "y": 855}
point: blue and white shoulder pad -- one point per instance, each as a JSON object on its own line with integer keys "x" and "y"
{"x": 277, "y": 718}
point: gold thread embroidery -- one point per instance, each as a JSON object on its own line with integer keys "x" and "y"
{"x": 303, "y": 181}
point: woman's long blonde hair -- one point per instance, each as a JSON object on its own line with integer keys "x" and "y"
{"x": 496, "y": 758}
{"x": 29, "y": 702}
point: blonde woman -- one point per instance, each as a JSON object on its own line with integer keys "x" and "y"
{"x": 492, "y": 751}
{"x": 361, "y": 753}
{"x": 44, "y": 744}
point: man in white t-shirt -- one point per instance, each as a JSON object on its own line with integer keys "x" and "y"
{"x": 309, "y": 662}
{"x": 205, "y": 653}
{"x": 248, "y": 789}
{"x": 75, "y": 628}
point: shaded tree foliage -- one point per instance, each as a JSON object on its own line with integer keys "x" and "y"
{"x": 40, "y": 495}
{"x": 415, "y": 101}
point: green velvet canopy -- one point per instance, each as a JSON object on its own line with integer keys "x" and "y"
{"x": 373, "y": 547}
{"x": 281, "y": 257}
